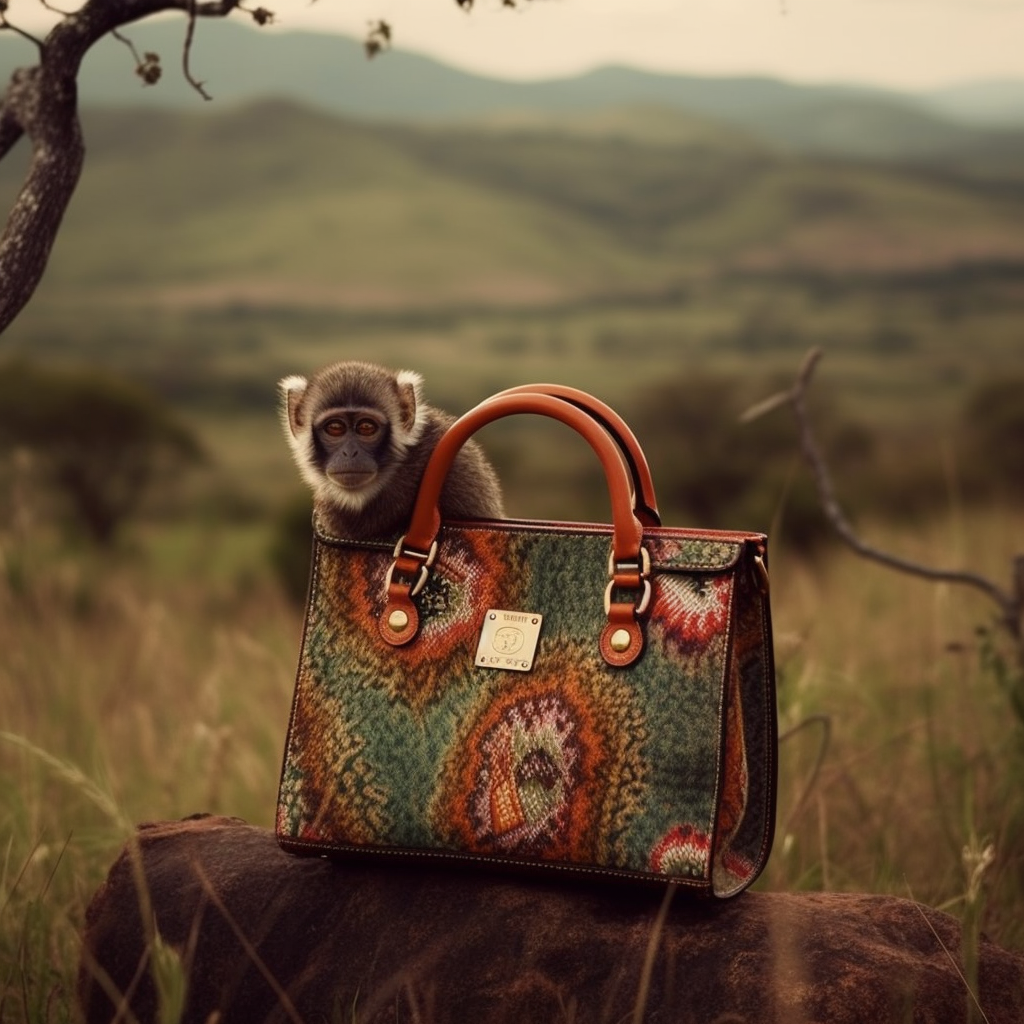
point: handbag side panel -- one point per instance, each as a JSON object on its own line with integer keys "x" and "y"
{"x": 746, "y": 819}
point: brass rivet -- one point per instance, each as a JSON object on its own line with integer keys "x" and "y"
{"x": 398, "y": 620}
{"x": 620, "y": 640}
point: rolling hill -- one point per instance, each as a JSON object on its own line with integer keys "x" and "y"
{"x": 275, "y": 204}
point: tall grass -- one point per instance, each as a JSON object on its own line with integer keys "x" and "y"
{"x": 132, "y": 690}
{"x": 126, "y": 694}
{"x": 924, "y": 770}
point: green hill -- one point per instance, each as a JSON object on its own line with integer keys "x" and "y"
{"x": 273, "y": 198}
{"x": 274, "y": 204}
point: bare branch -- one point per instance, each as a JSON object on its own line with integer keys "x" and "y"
{"x": 55, "y": 10}
{"x": 5, "y": 25}
{"x": 147, "y": 65}
{"x": 187, "y": 53}
{"x": 1010, "y": 604}
{"x": 41, "y": 102}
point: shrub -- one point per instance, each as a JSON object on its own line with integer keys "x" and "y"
{"x": 101, "y": 441}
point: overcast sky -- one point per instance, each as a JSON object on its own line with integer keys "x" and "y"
{"x": 908, "y": 44}
{"x": 904, "y": 43}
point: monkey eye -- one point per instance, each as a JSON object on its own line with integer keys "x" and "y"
{"x": 334, "y": 428}
{"x": 366, "y": 427}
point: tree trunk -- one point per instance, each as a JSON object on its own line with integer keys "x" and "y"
{"x": 40, "y": 102}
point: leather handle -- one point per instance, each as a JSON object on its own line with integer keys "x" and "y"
{"x": 621, "y": 640}
{"x": 627, "y": 531}
{"x": 645, "y": 504}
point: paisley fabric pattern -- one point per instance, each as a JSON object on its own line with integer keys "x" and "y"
{"x": 550, "y": 767}
{"x": 663, "y": 769}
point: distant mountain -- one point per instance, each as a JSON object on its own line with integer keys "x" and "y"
{"x": 998, "y": 104}
{"x": 239, "y": 64}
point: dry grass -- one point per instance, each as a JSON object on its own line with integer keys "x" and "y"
{"x": 925, "y": 756}
{"x": 135, "y": 694}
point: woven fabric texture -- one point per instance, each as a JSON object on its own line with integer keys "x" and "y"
{"x": 663, "y": 769}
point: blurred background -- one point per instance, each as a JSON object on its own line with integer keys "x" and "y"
{"x": 673, "y": 244}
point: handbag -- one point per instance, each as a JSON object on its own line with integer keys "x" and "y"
{"x": 594, "y": 700}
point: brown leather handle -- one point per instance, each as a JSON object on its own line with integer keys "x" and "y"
{"x": 645, "y": 503}
{"x": 627, "y": 531}
{"x": 621, "y": 640}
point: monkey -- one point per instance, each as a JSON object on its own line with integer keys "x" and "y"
{"x": 361, "y": 435}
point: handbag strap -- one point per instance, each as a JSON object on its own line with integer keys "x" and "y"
{"x": 629, "y": 565}
{"x": 645, "y": 504}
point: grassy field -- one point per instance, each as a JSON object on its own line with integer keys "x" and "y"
{"x": 157, "y": 684}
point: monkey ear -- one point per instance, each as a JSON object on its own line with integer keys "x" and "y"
{"x": 293, "y": 390}
{"x": 411, "y": 408}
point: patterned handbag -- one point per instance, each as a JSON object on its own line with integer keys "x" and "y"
{"x": 467, "y": 694}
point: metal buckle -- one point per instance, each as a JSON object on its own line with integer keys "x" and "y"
{"x": 427, "y": 561}
{"x": 642, "y": 567}
{"x": 641, "y": 607}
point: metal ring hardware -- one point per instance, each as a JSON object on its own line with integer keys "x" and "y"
{"x": 641, "y": 607}
{"x": 642, "y": 568}
{"x": 427, "y": 561}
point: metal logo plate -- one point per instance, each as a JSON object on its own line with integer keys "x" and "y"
{"x": 508, "y": 640}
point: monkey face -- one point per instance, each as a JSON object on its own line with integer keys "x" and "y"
{"x": 361, "y": 437}
{"x": 352, "y": 447}
{"x": 350, "y": 426}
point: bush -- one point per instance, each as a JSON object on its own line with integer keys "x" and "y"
{"x": 100, "y": 440}
{"x": 291, "y": 546}
{"x": 994, "y": 438}
{"x": 713, "y": 471}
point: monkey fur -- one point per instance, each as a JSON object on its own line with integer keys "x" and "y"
{"x": 361, "y": 436}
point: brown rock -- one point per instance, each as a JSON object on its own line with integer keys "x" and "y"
{"x": 271, "y": 937}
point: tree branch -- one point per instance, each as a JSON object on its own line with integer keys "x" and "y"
{"x": 7, "y": 26}
{"x": 41, "y": 102}
{"x": 1009, "y": 602}
{"x": 186, "y": 53}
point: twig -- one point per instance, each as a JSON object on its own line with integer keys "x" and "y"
{"x": 187, "y": 52}
{"x": 121, "y": 38}
{"x": 5, "y": 24}
{"x": 1010, "y": 604}
{"x": 147, "y": 66}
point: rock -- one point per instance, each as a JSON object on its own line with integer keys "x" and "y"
{"x": 276, "y": 938}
